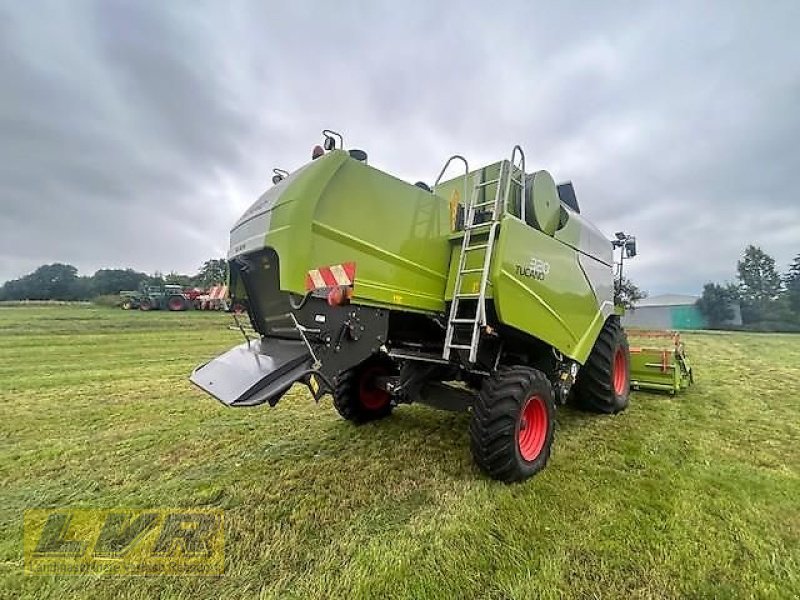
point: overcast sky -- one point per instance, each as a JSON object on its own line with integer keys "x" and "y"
{"x": 134, "y": 133}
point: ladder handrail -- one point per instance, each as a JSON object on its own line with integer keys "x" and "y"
{"x": 521, "y": 167}
{"x": 444, "y": 168}
{"x": 499, "y": 207}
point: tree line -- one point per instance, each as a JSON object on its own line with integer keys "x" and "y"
{"x": 769, "y": 300}
{"x": 59, "y": 281}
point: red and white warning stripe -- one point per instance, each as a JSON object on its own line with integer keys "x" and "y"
{"x": 333, "y": 275}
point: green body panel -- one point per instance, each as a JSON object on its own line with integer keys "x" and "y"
{"x": 336, "y": 210}
{"x": 561, "y": 307}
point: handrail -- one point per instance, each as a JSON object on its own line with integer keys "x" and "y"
{"x": 518, "y": 149}
{"x": 444, "y": 168}
{"x": 331, "y": 133}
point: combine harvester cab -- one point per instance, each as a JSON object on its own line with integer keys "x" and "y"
{"x": 381, "y": 292}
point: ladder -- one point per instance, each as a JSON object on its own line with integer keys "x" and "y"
{"x": 473, "y": 322}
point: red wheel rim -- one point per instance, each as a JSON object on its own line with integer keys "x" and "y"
{"x": 372, "y": 397}
{"x": 175, "y": 304}
{"x": 532, "y": 431}
{"x": 620, "y": 375}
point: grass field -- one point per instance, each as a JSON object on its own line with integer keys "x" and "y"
{"x": 693, "y": 496}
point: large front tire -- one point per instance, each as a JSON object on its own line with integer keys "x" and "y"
{"x": 358, "y": 398}
{"x": 603, "y": 383}
{"x": 511, "y": 431}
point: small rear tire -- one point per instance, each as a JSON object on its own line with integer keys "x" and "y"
{"x": 357, "y": 398}
{"x": 604, "y": 382}
{"x": 511, "y": 432}
{"x": 146, "y": 304}
{"x": 176, "y": 303}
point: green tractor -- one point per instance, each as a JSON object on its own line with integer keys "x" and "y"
{"x": 486, "y": 292}
{"x": 155, "y": 297}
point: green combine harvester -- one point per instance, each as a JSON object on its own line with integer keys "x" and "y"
{"x": 486, "y": 292}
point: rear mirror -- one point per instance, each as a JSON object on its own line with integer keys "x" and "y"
{"x": 630, "y": 248}
{"x": 329, "y": 144}
{"x": 276, "y": 179}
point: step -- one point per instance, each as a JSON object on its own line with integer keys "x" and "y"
{"x": 478, "y": 247}
{"x": 460, "y": 347}
{"x": 465, "y": 271}
{"x": 464, "y": 321}
{"x": 475, "y": 226}
{"x": 421, "y": 356}
{"x": 485, "y": 183}
{"x": 486, "y": 203}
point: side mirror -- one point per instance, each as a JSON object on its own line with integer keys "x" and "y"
{"x": 279, "y": 175}
{"x": 329, "y": 144}
{"x": 630, "y": 248}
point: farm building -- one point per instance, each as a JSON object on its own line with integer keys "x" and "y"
{"x": 670, "y": 311}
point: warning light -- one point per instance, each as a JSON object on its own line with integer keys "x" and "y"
{"x": 340, "y": 295}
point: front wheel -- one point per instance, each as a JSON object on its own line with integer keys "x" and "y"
{"x": 603, "y": 384}
{"x": 511, "y": 432}
{"x": 359, "y": 397}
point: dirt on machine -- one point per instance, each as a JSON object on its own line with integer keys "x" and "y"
{"x": 486, "y": 291}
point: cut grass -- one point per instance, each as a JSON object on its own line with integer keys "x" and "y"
{"x": 697, "y": 495}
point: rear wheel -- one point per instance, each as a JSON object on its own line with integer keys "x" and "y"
{"x": 603, "y": 383}
{"x": 146, "y": 304}
{"x": 511, "y": 431}
{"x": 358, "y": 397}
{"x": 176, "y": 303}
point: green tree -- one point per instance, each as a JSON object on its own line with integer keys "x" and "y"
{"x": 174, "y": 278}
{"x": 758, "y": 280}
{"x": 112, "y": 281}
{"x": 792, "y": 283}
{"x": 214, "y": 272}
{"x": 56, "y": 281}
{"x": 627, "y": 293}
{"x": 716, "y": 303}
{"x": 759, "y": 284}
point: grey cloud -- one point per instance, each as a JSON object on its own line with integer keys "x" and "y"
{"x": 133, "y": 133}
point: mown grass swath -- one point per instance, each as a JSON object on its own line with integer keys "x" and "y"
{"x": 690, "y": 496}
